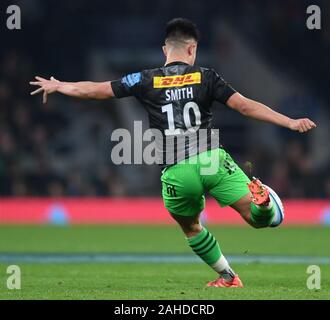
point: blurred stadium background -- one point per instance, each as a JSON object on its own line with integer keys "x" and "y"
{"x": 55, "y": 165}
{"x": 62, "y": 149}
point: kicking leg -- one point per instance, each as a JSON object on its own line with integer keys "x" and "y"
{"x": 203, "y": 243}
{"x": 258, "y": 204}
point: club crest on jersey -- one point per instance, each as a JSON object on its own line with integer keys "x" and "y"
{"x": 177, "y": 81}
{"x": 132, "y": 79}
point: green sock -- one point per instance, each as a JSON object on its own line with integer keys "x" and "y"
{"x": 205, "y": 246}
{"x": 262, "y": 216}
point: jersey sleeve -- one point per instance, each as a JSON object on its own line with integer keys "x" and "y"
{"x": 128, "y": 86}
{"x": 221, "y": 90}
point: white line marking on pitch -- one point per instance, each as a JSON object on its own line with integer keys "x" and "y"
{"x": 151, "y": 258}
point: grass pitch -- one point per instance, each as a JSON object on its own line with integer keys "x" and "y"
{"x": 98, "y": 280}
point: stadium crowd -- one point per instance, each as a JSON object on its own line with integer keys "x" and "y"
{"x": 38, "y": 157}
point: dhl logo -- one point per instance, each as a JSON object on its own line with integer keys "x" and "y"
{"x": 177, "y": 81}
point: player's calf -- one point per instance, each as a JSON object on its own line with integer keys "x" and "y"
{"x": 203, "y": 243}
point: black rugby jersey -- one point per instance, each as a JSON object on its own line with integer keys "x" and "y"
{"x": 178, "y": 98}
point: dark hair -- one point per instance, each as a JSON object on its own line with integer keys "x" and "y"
{"x": 180, "y": 29}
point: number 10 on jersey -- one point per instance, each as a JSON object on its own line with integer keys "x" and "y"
{"x": 186, "y": 118}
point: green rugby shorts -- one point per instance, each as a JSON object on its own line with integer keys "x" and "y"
{"x": 184, "y": 184}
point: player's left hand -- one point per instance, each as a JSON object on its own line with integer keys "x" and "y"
{"x": 301, "y": 125}
{"x": 46, "y": 86}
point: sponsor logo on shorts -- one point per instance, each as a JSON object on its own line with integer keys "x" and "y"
{"x": 170, "y": 190}
{"x": 230, "y": 165}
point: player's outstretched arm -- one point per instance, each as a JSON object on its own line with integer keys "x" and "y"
{"x": 259, "y": 111}
{"x": 83, "y": 90}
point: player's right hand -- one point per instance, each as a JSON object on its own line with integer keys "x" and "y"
{"x": 46, "y": 86}
{"x": 301, "y": 125}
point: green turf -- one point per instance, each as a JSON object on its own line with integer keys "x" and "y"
{"x": 166, "y": 281}
{"x": 313, "y": 241}
{"x": 161, "y": 281}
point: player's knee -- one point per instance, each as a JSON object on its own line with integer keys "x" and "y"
{"x": 189, "y": 225}
{"x": 191, "y": 230}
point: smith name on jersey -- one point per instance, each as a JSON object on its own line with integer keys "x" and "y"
{"x": 178, "y": 98}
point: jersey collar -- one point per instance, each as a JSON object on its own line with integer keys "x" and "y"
{"x": 174, "y": 63}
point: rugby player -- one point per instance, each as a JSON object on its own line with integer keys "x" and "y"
{"x": 178, "y": 98}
